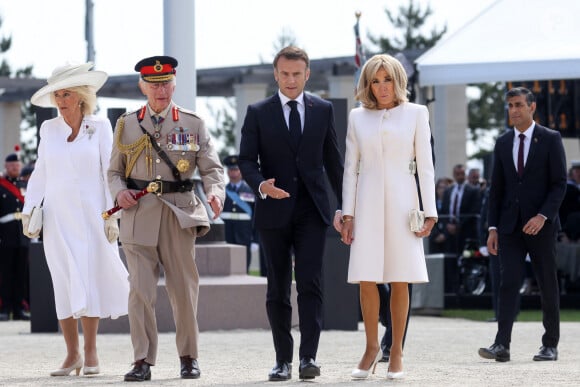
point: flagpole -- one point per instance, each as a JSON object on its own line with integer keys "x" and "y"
{"x": 359, "y": 57}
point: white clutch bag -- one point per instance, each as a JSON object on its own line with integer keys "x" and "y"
{"x": 416, "y": 220}
{"x": 35, "y": 224}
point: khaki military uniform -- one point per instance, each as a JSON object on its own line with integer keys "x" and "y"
{"x": 161, "y": 229}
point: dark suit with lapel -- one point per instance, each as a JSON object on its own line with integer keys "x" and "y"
{"x": 512, "y": 202}
{"x": 469, "y": 209}
{"x": 296, "y": 224}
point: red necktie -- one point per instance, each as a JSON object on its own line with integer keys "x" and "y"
{"x": 521, "y": 155}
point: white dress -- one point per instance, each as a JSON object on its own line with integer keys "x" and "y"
{"x": 88, "y": 276}
{"x": 379, "y": 191}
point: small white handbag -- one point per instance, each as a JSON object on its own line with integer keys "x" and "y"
{"x": 416, "y": 220}
{"x": 35, "y": 224}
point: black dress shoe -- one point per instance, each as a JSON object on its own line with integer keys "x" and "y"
{"x": 21, "y": 315}
{"x": 4, "y": 316}
{"x": 281, "y": 371}
{"x": 496, "y": 352}
{"x": 386, "y": 356}
{"x": 141, "y": 371}
{"x": 547, "y": 354}
{"x": 189, "y": 368}
{"x": 308, "y": 369}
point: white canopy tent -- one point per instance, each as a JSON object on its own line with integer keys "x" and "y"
{"x": 511, "y": 40}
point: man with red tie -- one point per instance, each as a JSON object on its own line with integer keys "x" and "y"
{"x": 527, "y": 187}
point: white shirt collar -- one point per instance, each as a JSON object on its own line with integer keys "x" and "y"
{"x": 284, "y": 99}
{"x": 529, "y": 132}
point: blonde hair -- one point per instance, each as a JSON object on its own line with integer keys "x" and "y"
{"x": 87, "y": 98}
{"x": 393, "y": 67}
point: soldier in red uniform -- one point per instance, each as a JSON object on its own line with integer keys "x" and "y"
{"x": 13, "y": 244}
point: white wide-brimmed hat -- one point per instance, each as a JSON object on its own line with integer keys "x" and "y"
{"x": 67, "y": 76}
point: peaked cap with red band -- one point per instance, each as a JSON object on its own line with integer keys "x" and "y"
{"x": 157, "y": 68}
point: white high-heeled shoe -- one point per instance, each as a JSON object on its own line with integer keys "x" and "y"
{"x": 91, "y": 370}
{"x": 395, "y": 375}
{"x": 66, "y": 371}
{"x": 363, "y": 374}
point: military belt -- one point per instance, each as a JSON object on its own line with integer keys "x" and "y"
{"x": 164, "y": 186}
{"x": 11, "y": 217}
{"x": 235, "y": 216}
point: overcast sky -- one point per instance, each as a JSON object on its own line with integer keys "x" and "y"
{"x": 228, "y": 32}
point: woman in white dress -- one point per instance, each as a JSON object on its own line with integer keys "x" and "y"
{"x": 387, "y": 139}
{"x": 69, "y": 179}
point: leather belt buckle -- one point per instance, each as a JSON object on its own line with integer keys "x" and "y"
{"x": 159, "y": 183}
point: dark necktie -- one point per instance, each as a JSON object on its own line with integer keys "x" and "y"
{"x": 456, "y": 204}
{"x": 521, "y": 155}
{"x": 294, "y": 123}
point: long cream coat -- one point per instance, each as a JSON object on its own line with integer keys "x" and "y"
{"x": 379, "y": 191}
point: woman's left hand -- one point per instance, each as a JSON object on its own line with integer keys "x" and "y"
{"x": 337, "y": 221}
{"x": 427, "y": 227}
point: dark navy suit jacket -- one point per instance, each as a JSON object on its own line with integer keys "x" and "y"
{"x": 541, "y": 188}
{"x": 266, "y": 152}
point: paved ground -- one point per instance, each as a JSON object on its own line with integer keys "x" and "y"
{"x": 439, "y": 352}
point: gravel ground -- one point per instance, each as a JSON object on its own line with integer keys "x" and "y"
{"x": 439, "y": 352}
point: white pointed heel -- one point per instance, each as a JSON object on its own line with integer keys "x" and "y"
{"x": 363, "y": 374}
{"x": 66, "y": 371}
{"x": 91, "y": 370}
{"x": 395, "y": 375}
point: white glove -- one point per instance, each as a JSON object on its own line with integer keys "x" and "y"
{"x": 25, "y": 221}
{"x": 111, "y": 229}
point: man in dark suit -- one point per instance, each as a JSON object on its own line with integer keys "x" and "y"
{"x": 288, "y": 143}
{"x": 461, "y": 205}
{"x": 238, "y": 208}
{"x": 528, "y": 185}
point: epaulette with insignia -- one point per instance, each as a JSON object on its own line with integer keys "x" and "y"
{"x": 187, "y": 111}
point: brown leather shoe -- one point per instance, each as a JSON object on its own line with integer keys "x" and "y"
{"x": 189, "y": 368}
{"x": 141, "y": 371}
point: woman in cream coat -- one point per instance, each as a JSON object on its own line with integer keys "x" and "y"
{"x": 388, "y": 137}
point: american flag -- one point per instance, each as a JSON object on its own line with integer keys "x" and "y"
{"x": 359, "y": 56}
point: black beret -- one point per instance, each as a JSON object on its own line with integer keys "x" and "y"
{"x": 12, "y": 157}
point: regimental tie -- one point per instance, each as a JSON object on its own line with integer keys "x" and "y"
{"x": 521, "y": 155}
{"x": 294, "y": 123}
{"x": 157, "y": 121}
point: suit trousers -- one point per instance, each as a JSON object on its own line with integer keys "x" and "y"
{"x": 513, "y": 249}
{"x": 176, "y": 252}
{"x": 304, "y": 237}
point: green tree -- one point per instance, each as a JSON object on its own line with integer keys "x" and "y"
{"x": 408, "y": 25}
{"x": 486, "y": 116}
{"x": 224, "y": 129}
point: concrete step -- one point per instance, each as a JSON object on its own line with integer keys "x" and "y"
{"x": 225, "y": 302}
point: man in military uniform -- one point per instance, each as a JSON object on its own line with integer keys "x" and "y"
{"x": 13, "y": 244}
{"x": 238, "y": 208}
{"x": 163, "y": 143}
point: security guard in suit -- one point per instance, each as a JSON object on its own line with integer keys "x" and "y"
{"x": 165, "y": 144}
{"x": 238, "y": 208}
{"x": 13, "y": 244}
